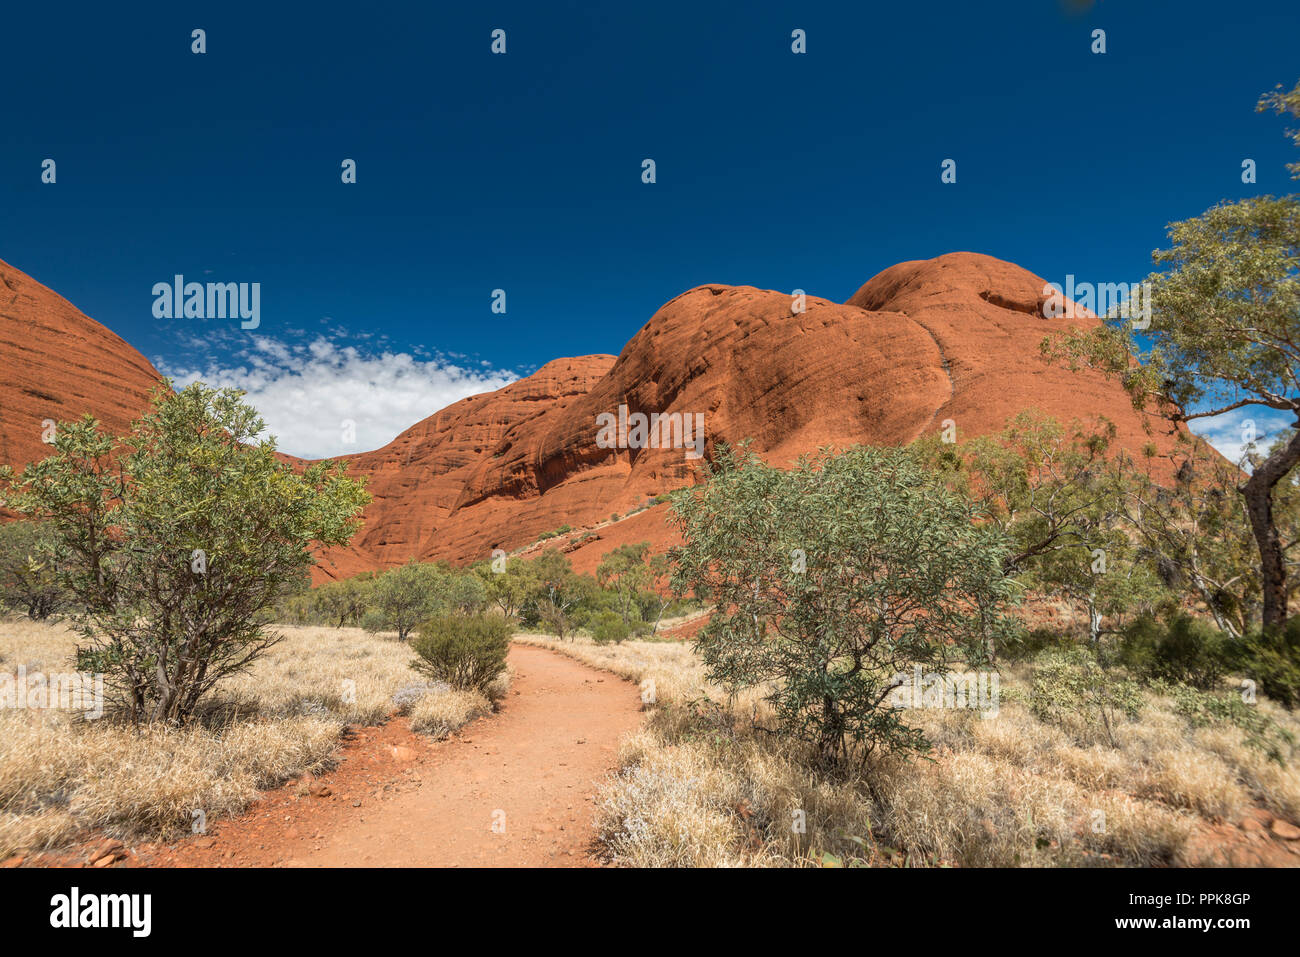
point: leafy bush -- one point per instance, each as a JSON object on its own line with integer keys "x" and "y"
{"x": 466, "y": 651}
{"x": 1202, "y": 709}
{"x": 1186, "y": 650}
{"x": 1272, "y": 658}
{"x": 29, "y": 563}
{"x": 833, "y": 577}
{"x": 607, "y": 626}
{"x": 343, "y": 602}
{"x": 1031, "y": 644}
{"x": 403, "y": 597}
{"x": 178, "y": 538}
{"x": 630, "y": 574}
{"x": 1075, "y": 682}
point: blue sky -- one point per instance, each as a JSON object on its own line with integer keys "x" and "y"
{"x": 523, "y": 172}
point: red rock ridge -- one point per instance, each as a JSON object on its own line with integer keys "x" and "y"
{"x": 58, "y": 364}
{"x": 956, "y": 337}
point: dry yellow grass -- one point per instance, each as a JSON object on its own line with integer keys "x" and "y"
{"x": 699, "y": 786}
{"x": 442, "y": 713}
{"x": 60, "y": 774}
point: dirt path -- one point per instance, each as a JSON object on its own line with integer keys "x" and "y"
{"x": 399, "y": 800}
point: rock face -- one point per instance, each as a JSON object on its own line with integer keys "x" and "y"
{"x": 985, "y": 316}
{"x": 952, "y": 338}
{"x": 431, "y": 486}
{"x": 59, "y": 365}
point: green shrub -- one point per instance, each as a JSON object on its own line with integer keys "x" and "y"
{"x": 1202, "y": 709}
{"x": 29, "y": 563}
{"x": 607, "y": 626}
{"x": 176, "y": 540}
{"x": 1273, "y": 660}
{"x": 1075, "y": 682}
{"x": 832, "y": 577}
{"x": 404, "y": 596}
{"x": 1031, "y": 644}
{"x": 466, "y": 651}
{"x": 1185, "y": 650}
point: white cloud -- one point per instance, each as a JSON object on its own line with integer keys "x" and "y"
{"x": 308, "y": 393}
{"x": 1228, "y": 432}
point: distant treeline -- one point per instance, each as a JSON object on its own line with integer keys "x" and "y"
{"x": 626, "y": 597}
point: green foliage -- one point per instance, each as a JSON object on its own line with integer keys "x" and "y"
{"x": 405, "y": 596}
{"x": 1055, "y": 495}
{"x": 466, "y": 593}
{"x": 343, "y": 603}
{"x": 1225, "y": 314}
{"x": 466, "y": 651}
{"x": 178, "y": 537}
{"x": 30, "y": 556}
{"x": 1284, "y": 102}
{"x": 1027, "y": 645}
{"x": 540, "y": 592}
{"x": 607, "y": 626}
{"x": 1272, "y": 658}
{"x": 628, "y": 572}
{"x": 1222, "y": 314}
{"x": 1184, "y": 650}
{"x": 1224, "y": 317}
{"x": 1195, "y": 531}
{"x": 1202, "y": 709}
{"x": 395, "y": 600}
{"x": 831, "y": 578}
{"x": 559, "y": 599}
{"x": 1076, "y": 682}
{"x": 508, "y": 589}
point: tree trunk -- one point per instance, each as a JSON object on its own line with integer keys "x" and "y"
{"x": 1094, "y": 621}
{"x": 831, "y": 740}
{"x": 1258, "y": 492}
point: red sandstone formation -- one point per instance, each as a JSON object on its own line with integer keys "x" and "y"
{"x": 59, "y": 364}
{"x": 954, "y": 337}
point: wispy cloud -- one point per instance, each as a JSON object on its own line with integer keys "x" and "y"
{"x": 310, "y": 391}
{"x": 1230, "y": 432}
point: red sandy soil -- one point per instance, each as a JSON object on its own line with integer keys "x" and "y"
{"x": 398, "y": 799}
{"x": 1258, "y": 839}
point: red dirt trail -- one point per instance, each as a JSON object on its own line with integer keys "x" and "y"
{"x": 538, "y": 760}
